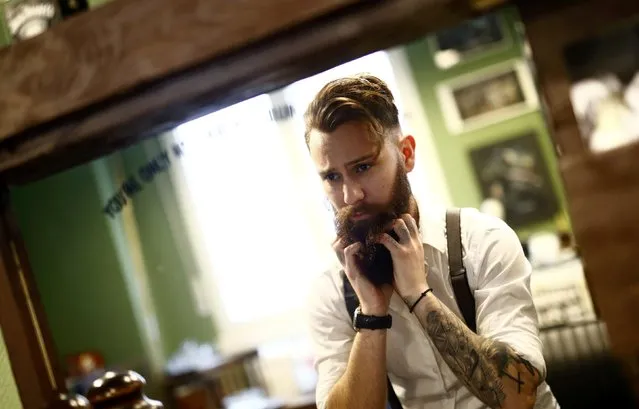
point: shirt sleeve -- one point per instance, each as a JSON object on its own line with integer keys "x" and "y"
{"x": 331, "y": 334}
{"x": 505, "y": 309}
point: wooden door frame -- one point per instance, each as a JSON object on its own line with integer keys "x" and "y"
{"x": 22, "y": 319}
{"x": 66, "y": 101}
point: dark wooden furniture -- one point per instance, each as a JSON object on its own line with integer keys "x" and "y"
{"x": 107, "y": 78}
{"x": 121, "y": 390}
{"x": 114, "y": 390}
{"x": 231, "y": 375}
{"x": 68, "y": 401}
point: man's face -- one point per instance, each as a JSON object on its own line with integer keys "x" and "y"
{"x": 367, "y": 189}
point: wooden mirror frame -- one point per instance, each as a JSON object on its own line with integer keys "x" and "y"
{"x": 106, "y": 79}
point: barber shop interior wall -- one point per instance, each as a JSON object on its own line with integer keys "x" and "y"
{"x": 453, "y": 149}
{"x": 169, "y": 256}
{"x": 76, "y": 268}
{"x": 115, "y": 285}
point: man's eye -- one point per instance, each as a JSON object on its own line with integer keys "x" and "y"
{"x": 362, "y": 167}
{"x": 331, "y": 177}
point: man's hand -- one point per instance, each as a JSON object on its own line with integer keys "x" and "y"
{"x": 373, "y": 300}
{"x": 408, "y": 259}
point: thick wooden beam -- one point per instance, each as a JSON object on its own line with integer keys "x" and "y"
{"x": 124, "y": 44}
{"x": 223, "y": 75}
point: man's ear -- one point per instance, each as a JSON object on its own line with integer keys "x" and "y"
{"x": 407, "y": 150}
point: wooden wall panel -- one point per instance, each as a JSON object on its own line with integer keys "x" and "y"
{"x": 602, "y": 189}
{"x": 603, "y": 193}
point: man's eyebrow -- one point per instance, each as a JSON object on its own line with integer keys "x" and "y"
{"x": 370, "y": 156}
{"x": 362, "y": 159}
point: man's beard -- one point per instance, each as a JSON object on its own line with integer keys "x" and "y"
{"x": 374, "y": 260}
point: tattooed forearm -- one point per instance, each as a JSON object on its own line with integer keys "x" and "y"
{"x": 492, "y": 370}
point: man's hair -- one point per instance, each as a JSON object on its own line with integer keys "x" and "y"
{"x": 363, "y": 98}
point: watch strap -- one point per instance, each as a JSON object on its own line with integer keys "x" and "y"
{"x": 361, "y": 321}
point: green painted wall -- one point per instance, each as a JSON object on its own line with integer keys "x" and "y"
{"x": 9, "y": 398}
{"x": 4, "y": 32}
{"x": 76, "y": 268}
{"x": 453, "y": 150}
{"x": 85, "y": 283}
{"x": 169, "y": 258}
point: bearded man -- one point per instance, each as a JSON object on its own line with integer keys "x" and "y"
{"x": 395, "y": 258}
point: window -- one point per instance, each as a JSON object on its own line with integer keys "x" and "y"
{"x": 243, "y": 193}
{"x": 257, "y": 199}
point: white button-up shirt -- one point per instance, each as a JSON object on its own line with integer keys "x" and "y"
{"x": 499, "y": 277}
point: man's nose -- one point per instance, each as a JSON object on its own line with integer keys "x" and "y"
{"x": 353, "y": 192}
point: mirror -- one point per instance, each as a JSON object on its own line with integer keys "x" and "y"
{"x": 192, "y": 257}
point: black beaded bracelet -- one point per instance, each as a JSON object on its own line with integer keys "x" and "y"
{"x": 411, "y": 309}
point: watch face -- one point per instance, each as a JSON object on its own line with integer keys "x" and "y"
{"x": 28, "y": 18}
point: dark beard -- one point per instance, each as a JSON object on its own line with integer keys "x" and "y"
{"x": 374, "y": 260}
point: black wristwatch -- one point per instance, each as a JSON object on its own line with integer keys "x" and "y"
{"x": 361, "y": 321}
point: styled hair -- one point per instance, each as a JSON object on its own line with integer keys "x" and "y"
{"x": 361, "y": 97}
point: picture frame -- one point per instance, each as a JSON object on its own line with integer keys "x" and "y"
{"x": 487, "y": 96}
{"x": 514, "y": 172}
{"x": 470, "y": 40}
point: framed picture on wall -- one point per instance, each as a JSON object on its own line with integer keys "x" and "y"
{"x": 514, "y": 172}
{"x": 487, "y": 96}
{"x": 469, "y": 40}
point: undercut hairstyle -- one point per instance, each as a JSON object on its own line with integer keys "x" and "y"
{"x": 363, "y": 98}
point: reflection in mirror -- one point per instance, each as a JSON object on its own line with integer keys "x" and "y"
{"x": 604, "y": 71}
{"x": 204, "y": 258}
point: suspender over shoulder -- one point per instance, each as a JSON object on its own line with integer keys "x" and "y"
{"x": 457, "y": 271}
{"x": 459, "y": 281}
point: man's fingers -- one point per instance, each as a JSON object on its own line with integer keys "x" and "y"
{"x": 410, "y": 223}
{"x": 350, "y": 253}
{"x": 402, "y": 231}
{"x": 390, "y": 243}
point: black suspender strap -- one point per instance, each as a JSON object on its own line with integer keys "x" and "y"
{"x": 458, "y": 278}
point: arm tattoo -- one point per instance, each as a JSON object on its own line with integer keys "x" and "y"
{"x": 490, "y": 369}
